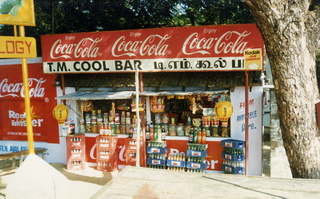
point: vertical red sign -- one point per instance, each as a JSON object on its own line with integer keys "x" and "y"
{"x": 12, "y": 108}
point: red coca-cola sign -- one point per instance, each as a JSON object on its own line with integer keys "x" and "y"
{"x": 42, "y": 96}
{"x": 151, "y": 49}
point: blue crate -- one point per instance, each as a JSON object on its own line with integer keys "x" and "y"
{"x": 176, "y": 163}
{"x": 233, "y": 157}
{"x": 233, "y": 170}
{"x": 231, "y": 143}
{"x": 193, "y": 153}
{"x": 157, "y": 150}
{"x": 159, "y": 162}
{"x": 196, "y": 165}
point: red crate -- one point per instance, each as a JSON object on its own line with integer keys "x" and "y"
{"x": 76, "y": 152}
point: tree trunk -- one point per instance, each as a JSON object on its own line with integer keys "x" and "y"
{"x": 291, "y": 36}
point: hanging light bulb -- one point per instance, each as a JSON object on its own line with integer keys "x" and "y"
{"x": 60, "y": 113}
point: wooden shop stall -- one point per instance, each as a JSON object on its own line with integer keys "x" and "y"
{"x": 193, "y": 96}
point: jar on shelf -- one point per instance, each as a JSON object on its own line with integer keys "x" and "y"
{"x": 180, "y": 129}
{"x": 165, "y": 118}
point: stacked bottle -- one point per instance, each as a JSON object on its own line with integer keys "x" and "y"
{"x": 156, "y": 154}
{"x": 196, "y": 158}
{"x": 176, "y": 161}
{"x": 233, "y": 156}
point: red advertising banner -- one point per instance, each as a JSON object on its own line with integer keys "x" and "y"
{"x": 203, "y": 48}
{"x": 12, "y": 107}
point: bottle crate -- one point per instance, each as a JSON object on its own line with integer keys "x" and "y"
{"x": 231, "y": 143}
{"x": 106, "y": 153}
{"x": 233, "y": 157}
{"x": 176, "y": 163}
{"x": 158, "y": 162}
{"x": 131, "y": 150}
{"x": 76, "y": 150}
{"x": 196, "y": 165}
{"x": 193, "y": 153}
{"x": 232, "y": 169}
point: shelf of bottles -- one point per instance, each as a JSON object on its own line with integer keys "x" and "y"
{"x": 233, "y": 156}
{"x": 156, "y": 154}
{"x": 196, "y": 158}
{"x": 106, "y": 153}
{"x": 76, "y": 150}
{"x": 131, "y": 150}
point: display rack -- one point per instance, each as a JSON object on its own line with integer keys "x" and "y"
{"x": 156, "y": 154}
{"x": 233, "y": 156}
{"x": 106, "y": 153}
{"x": 76, "y": 152}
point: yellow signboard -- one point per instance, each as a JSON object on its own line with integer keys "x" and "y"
{"x": 253, "y": 59}
{"x": 18, "y": 47}
{"x": 17, "y": 12}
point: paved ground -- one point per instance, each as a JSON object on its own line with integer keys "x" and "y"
{"x": 134, "y": 182}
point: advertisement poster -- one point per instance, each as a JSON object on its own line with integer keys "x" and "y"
{"x": 198, "y": 48}
{"x": 12, "y": 107}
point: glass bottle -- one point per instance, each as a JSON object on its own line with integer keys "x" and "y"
{"x": 172, "y": 128}
{"x": 180, "y": 129}
{"x": 99, "y": 121}
{"x": 94, "y": 122}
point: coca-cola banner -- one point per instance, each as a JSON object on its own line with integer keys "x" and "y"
{"x": 12, "y": 107}
{"x": 198, "y": 48}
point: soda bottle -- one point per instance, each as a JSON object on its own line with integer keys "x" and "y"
{"x": 195, "y": 136}
{"x": 163, "y": 134}
{"x": 199, "y": 137}
{"x": 204, "y": 137}
{"x": 191, "y": 136}
{"x": 147, "y": 131}
{"x": 151, "y": 131}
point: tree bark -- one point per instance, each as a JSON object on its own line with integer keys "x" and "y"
{"x": 291, "y": 36}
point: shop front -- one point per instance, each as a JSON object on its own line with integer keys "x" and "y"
{"x": 186, "y": 92}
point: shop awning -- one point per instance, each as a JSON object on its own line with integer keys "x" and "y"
{"x": 97, "y": 95}
{"x": 165, "y": 93}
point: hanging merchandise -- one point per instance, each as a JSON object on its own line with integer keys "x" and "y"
{"x": 141, "y": 104}
{"x": 86, "y": 106}
{"x": 157, "y": 104}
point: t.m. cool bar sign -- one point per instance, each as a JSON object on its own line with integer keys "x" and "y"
{"x": 199, "y": 48}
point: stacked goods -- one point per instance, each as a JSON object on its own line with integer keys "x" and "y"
{"x": 176, "y": 161}
{"x": 76, "y": 152}
{"x": 131, "y": 151}
{"x": 196, "y": 158}
{"x": 156, "y": 154}
{"x": 106, "y": 153}
{"x": 233, "y": 156}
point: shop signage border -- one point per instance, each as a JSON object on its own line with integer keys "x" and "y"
{"x": 198, "y": 48}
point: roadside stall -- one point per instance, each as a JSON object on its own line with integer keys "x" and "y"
{"x": 185, "y": 92}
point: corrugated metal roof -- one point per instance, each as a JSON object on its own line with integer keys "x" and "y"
{"x": 162, "y": 79}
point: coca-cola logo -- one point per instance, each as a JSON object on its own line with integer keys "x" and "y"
{"x": 85, "y": 48}
{"x": 16, "y": 89}
{"x": 229, "y": 42}
{"x": 152, "y": 45}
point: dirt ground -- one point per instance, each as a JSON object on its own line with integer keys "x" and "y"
{"x": 82, "y": 184}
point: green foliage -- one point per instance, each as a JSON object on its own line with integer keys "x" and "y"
{"x": 68, "y": 16}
